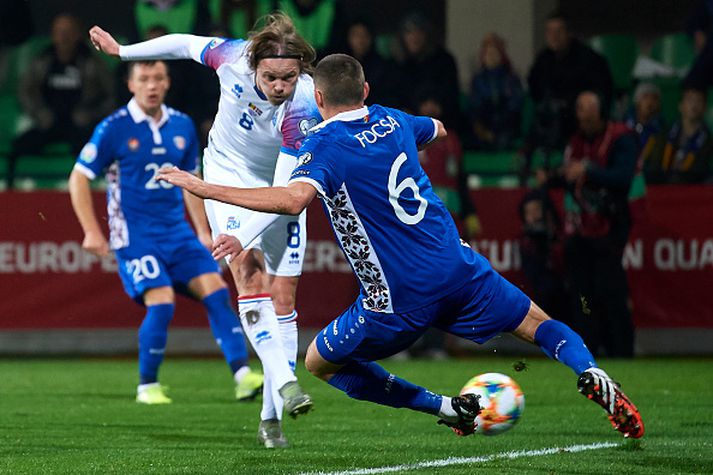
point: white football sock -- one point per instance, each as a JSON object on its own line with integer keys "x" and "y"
{"x": 271, "y": 400}
{"x": 260, "y": 325}
{"x": 240, "y": 373}
{"x": 447, "y": 413}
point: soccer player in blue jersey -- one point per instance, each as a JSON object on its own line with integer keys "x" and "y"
{"x": 156, "y": 249}
{"x": 404, "y": 248}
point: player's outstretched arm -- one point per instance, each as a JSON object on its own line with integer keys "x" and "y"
{"x": 291, "y": 199}
{"x": 81, "y": 195}
{"x": 173, "y": 46}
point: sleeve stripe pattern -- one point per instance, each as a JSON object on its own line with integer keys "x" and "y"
{"x": 310, "y": 181}
{"x": 435, "y": 131}
{"x": 85, "y": 171}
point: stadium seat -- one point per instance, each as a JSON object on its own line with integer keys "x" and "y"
{"x": 675, "y": 50}
{"x": 490, "y": 163}
{"x": 238, "y": 24}
{"x": 180, "y": 18}
{"x": 9, "y": 113}
{"x": 527, "y": 115}
{"x": 620, "y": 52}
{"x": 315, "y": 27}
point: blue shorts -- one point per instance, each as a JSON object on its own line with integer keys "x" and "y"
{"x": 148, "y": 263}
{"x": 478, "y": 311}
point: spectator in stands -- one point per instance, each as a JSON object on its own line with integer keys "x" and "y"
{"x": 425, "y": 66}
{"x": 194, "y": 89}
{"x": 541, "y": 252}
{"x": 699, "y": 25}
{"x": 599, "y": 165}
{"x": 66, "y": 90}
{"x": 495, "y": 97}
{"x": 645, "y": 117}
{"x": 379, "y": 71}
{"x": 686, "y": 154}
{"x": 561, "y": 71}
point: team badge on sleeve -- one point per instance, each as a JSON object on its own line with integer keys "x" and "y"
{"x": 88, "y": 153}
{"x": 306, "y": 124}
{"x": 180, "y": 142}
{"x": 304, "y": 159}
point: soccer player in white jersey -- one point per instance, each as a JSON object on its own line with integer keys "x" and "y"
{"x": 266, "y": 107}
{"x": 413, "y": 269}
{"x": 156, "y": 249}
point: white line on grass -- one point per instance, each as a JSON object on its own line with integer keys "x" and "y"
{"x": 515, "y": 454}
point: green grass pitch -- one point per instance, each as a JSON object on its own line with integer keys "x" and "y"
{"x": 78, "y": 416}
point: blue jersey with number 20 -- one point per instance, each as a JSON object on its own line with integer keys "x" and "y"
{"x": 397, "y": 235}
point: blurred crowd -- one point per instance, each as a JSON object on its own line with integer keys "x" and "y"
{"x": 594, "y": 118}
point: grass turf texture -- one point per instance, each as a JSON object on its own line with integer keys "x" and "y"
{"x": 78, "y": 416}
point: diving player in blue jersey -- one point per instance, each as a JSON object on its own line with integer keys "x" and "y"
{"x": 404, "y": 248}
{"x": 155, "y": 247}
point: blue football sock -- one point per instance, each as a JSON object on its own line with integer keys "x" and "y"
{"x": 153, "y": 334}
{"x": 226, "y": 329}
{"x": 561, "y": 343}
{"x": 371, "y": 382}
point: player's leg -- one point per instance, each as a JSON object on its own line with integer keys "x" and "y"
{"x": 146, "y": 279}
{"x": 343, "y": 353}
{"x": 256, "y": 312}
{"x": 283, "y": 291}
{"x": 260, "y": 324}
{"x": 225, "y": 325}
{"x": 491, "y": 305}
{"x": 153, "y": 334}
{"x": 559, "y": 342}
{"x": 283, "y": 245}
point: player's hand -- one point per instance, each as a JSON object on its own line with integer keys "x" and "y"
{"x": 103, "y": 41}
{"x": 96, "y": 243}
{"x": 226, "y": 246}
{"x": 187, "y": 181}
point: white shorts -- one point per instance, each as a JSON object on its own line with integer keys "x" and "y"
{"x": 283, "y": 243}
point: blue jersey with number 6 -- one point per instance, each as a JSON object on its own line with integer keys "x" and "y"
{"x": 131, "y": 148}
{"x": 397, "y": 235}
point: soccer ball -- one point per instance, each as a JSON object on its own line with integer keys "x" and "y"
{"x": 501, "y": 400}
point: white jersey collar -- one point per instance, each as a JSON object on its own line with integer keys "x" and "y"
{"x": 139, "y": 115}
{"x": 347, "y": 116}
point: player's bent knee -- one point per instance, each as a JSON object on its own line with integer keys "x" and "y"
{"x": 528, "y": 327}
{"x": 317, "y": 365}
{"x": 159, "y": 295}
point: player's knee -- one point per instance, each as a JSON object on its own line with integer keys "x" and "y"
{"x": 529, "y": 325}
{"x": 317, "y": 365}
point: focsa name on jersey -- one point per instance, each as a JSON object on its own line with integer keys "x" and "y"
{"x": 379, "y": 130}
